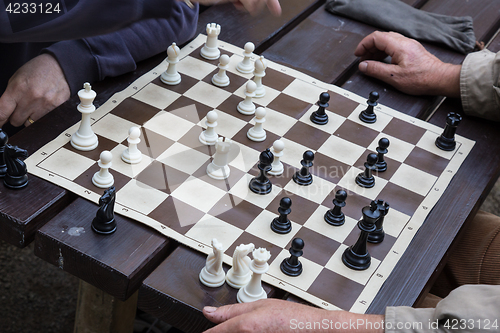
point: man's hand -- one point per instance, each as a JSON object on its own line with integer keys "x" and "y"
{"x": 37, "y": 88}
{"x": 264, "y": 316}
{"x": 277, "y": 316}
{"x": 252, "y": 6}
{"x": 413, "y": 70}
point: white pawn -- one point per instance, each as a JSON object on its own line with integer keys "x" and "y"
{"x": 246, "y": 106}
{"x": 253, "y": 291}
{"x": 102, "y": 178}
{"x": 259, "y": 73}
{"x": 246, "y": 66}
{"x": 218, "y": 168}
{"x": 212, "y": 275}
{"x": 132, "y": 155}
{"x": 277, "y": 150}
{"x": 221, "y": 79}
{"x": 239, "y": 275}
{"x": 209, "y": 136}
{"x": 171, "y": 76}
{"x": 257, "y": 132}
{"x": 210, "y": 50}
{"x": 84, "y": 138}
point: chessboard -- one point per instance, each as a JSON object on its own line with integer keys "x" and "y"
{"x": 170, "y": 191}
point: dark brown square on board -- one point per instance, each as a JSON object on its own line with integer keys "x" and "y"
{"x": 135, "y": 111}
{"x": 356, "y": 133}
{"x": 176, "y": 214}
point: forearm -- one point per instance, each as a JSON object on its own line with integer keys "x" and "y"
{"x": 83, "y": 19}
{"x": 117, "y": 53}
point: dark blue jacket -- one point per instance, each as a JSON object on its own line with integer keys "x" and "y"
{"x": 122, "y": 32}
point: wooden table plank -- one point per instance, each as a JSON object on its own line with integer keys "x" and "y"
{"x": 115, "y": 263}
{"x": 174, "y": 293}
{"x": 237, "y": 27}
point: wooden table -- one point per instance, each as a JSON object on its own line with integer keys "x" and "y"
{"x": 317, "y": 43}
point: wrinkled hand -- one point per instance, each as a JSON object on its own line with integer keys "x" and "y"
{"x": 37, "y": 88}
{"x": 413, "y": 70}
{"x": 252, "y": 6}
{"x": 264, "y": 316}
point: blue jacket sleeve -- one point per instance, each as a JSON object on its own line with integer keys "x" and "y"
{"x": 75, "y": 19}
{"x": 94, "y": 58}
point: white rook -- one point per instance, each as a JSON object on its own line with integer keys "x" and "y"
{"x": 210, "y": 50}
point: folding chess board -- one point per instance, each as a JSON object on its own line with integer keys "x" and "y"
{"x": 171, "y": 192}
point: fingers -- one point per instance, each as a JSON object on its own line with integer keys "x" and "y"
{"x": 379, "y": 70}
{"x": 274, "y": 7}
{"x": 224, "y": 313}
{"x": 379, "y": 43}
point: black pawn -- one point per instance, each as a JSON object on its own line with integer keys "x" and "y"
{"x": 3, "y": 141}
{"x": 446, "y": 141}
{"x": 381, "y": 164}
{"x": 282, "y": 224}
{"x": 303, "y": 176}
{"x": 335, "y": 216}
{"x": 319, "y": 116}
{"x": 368, "y": 115}
{"x": 104, "y": 222}
{"x": 357, "y": 256}
{"x": 292, "y": 266}
{"x": 17, "y": 174}
{"x": 366, "y": 179}
{"x": 262, "y": 184}
{"x": 378, "y": 235}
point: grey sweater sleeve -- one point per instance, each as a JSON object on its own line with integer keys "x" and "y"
{"x": 76, "y": 18}
{"x": 480, "y": 85}
{"x": 95, "y": 58}
{"x": 469, "y": 308}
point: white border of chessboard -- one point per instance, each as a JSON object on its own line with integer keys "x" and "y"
{"x": 383, "y": 270}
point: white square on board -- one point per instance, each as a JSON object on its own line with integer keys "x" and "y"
{"x": 156, "y": 96}
{"x": 198, "y": 193}
{"x": 66, "y": 163}
{"x": 140, "y": 197}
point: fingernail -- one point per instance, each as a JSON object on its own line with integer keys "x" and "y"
{"x": 362, "y": 66}
{"x": 209, "y": 309}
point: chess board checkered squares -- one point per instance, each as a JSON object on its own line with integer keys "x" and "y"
{"x": 113, "y": 127}
{"x": 210, "y": 227}
{"x": 157, "y": 96}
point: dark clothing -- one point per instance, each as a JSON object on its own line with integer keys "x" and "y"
{"x": 148, "y": 27}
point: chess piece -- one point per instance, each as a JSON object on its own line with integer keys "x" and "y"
{"x": 4, "y": 138}
{"x": 378, "y": 235}
{"x": 210, "y": 50}
{"x": 366, "y": 179}
{"x": 212, "y": 275}
{"x": 246, "y": 106}
{"x": 257, "y": 132}
{"x": 102, "y": 178}
{"x": 319, "y": 116}
{"x": 292, "y": 266}
{"x": 381, "y": 164}
{"x": 281, "y": 224}
{"x": 239, "y": 275}
{"x": 246, "y": 66}
{"x": 357, "y": 256}
{"x": 368, "y": 115}
{"x": 277, "y": 151}
{"x": 221, "y": 79}
{"x": 84, "y": 138}
{"x": 171, "y": 76}
{"x": 209, "y": 136}
{"x": 219, "y": 168}
{"x": 335, "y": 216}
{"x": 446, "y": 141}
{"x": 132, "y": 155}
{"x": 304, "y": 177}
{"x": 258, "y": 74}
{"x": 16, "y": 175}
{"x": 104, "y": 222}
{"x": 261, "y": 184}
{"x": 253, "y": 291}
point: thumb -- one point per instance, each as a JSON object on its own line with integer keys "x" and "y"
{"x": 7, "y": 106}
{"x": 379, "y": 70}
